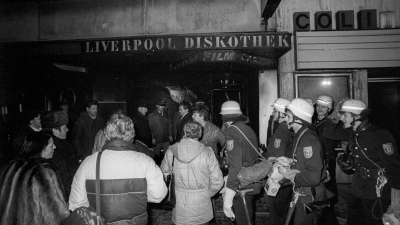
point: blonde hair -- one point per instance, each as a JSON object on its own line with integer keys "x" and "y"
{"x": 120, "y": 127}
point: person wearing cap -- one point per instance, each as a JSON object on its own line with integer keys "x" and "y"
{"x": 324, "y": 107}
{"x": 161, "y": 129}
{"x": 64, "y": 157}
{"x": 376, "y": 160}
{"x": 280, "y": 144}
{"x": 242, "y": 148}
{"x": 86, "y": 128}
{"x": 141, "y": 123}
{"x": 307, "y": 169}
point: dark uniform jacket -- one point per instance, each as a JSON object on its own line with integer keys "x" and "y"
{"x": 160, "y": 125}
{"x": 372, "y": 148}
{"x": 142, "y": 129}
{"x": 307, "y": 154}
{"x": 280, "y": 143}
{"x": 66, "y": 162}
{"x": 336, "y": 131}
{"x": 240, "y": 152}
{"x": 85, "y": 131}
{"x": 272, "y": 126}
{"x": 182, "y": 121}
{"x": 328, "y": 144}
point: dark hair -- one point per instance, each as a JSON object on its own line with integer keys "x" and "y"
{"x": 186, "y": 105}
{"x": 92, "y": 102}
{"x": 202, "y": 110}
{"x": 31, "y": 115}
{"x": 34, "y": 144}
{"x": 193, "y": 130}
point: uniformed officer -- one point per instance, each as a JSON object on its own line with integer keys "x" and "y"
{"x": 324, "y": 107}
{"x": 241, "y": 142}
{"x": 377, "y": 161}
{"x": 306, "y": 172}
{"x": 280, "y": 144}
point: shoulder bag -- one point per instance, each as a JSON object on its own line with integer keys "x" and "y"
{"x": 87, "y": 215}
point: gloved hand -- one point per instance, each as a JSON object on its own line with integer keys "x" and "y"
{"x": 395, "y": 203}
{"x": 223, "y": 190}
{"x": 228, "y": 203}
{"x": 288, "y": 174}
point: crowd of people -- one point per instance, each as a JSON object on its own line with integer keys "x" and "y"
{"x": 54, "y": 173}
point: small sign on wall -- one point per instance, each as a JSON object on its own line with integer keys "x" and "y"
{"x": 387, "y": 19}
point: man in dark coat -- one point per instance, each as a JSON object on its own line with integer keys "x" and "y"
{"x": 86, "y": 128}
{"x": 32, "y": 124}
{"x": 64, "y": 157}
{"x": 141, "y": 123}
{"x": 185, "y": 116}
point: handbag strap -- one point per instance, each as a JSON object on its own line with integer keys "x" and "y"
{"x": 98, "y": 187}
{"x": 248, "y": 141}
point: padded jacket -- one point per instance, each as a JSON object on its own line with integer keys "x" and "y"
{"x": 197, "y": 178}
{"x": 128, "y": 180}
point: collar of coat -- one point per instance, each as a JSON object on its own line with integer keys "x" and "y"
{"x": 119, "y": 145}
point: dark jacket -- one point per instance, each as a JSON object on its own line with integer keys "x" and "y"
{"x": 182, "y": 121}
{"x": 85, "y": 131}
{"x": 31, "y": 193}
{"x": 142, "y": 129}
{"x": 281, "y": 142}
{"x": 374, "y": 144}
{"x": 160, "y": 125}
{"x": 327, "y": 144}
{"x": 66, "y": 162}
{"x": 240, "y": 152}
{"x": 213, "y": 135}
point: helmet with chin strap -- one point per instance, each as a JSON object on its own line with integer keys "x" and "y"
{"x": 325, "y": 100}
{"x": 353, "y": 106}
{"x": 280, "y": 104}
{"x": 301, "y": 109}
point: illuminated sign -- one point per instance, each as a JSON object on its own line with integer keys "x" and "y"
{"x": 323, "y": 20}
{"x": 219, "y": 41}
{"x": 224, "y": 56}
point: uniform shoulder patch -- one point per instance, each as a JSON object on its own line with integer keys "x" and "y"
{"x": 388, "y": 148}
{"x": 307, "y": 151}
{"x": 277, "y": 143}
{"x": 229, "y": 145}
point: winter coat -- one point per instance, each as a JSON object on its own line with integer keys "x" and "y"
{"x": 161, "y": 127}
{"x": 31, "y": 193}
{"x": 85, "y": 131}
{"x": 197, "y": 178}
{"x": 128, "y": 180}
{"x": 66, "y": 162}
{"x": 142, "y": 129}
{"x": 211, "y": 136}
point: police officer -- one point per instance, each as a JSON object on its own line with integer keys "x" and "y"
{"x": 324, "y": 106}
{"x": 280, "y": 144}
{"x": 241, "y": 142}
{"x": 377, "y": 161}
{"x": 306, "y": 172}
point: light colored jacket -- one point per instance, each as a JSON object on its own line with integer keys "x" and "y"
{"x": 197, "y": 178}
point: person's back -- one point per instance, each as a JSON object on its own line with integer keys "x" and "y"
{"x": 128, "y": 179}
{"x": 197, "y": 178}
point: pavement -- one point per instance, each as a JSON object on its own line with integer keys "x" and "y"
{"x": 162, "y": 216}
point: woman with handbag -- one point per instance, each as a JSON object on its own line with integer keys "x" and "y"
{"x": 31, "y": 191}
{"x": 197, "y": 177}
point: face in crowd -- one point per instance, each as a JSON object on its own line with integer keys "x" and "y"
{"x": 36, "y": 122}
{"x": 182, "y": 110}
{"x": 48, "y": 151}
{"x": 322, "y": 110}
{"x": 93, "y": 110}
{"x": 143, "y": 110}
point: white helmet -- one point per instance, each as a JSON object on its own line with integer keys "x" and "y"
{"x": 325, "y": 100}
{"x": 302, "y": 109}
{"x": 309, "y": 100}
{"x": 353, "y": 106}
{"x": 280, "y": 104}
{"x": 230, "y": 107}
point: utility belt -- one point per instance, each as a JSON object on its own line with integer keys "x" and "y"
{"x": 368, "y": 173}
